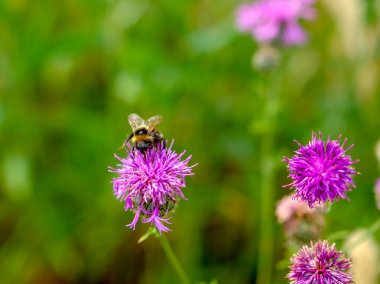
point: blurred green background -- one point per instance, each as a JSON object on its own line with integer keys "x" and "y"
{"x": 71, "y": 72}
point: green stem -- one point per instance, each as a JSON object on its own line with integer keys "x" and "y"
{"x": 173, "y": 259}
{"x": 337, "y": 236}
{"x": 266, "y": 227}
{"x": 266, "y": 239}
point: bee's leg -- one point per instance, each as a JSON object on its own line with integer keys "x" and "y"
{"x": 163, "y": 142}
{"x": 160, "y": 140}
{"x": 155, "y": 139}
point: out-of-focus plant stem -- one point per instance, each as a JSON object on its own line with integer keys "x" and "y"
{"x": 266, "y": 240}
{"x": 369, "y": 232}
{"x": 173, "y": 259}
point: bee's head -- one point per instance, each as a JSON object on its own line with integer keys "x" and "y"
{"x": 143, "y": 146}
{"x": 142, "y": 131}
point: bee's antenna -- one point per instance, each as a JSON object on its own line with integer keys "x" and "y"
{"x": 122, "y": 146}
{"x": 126, "y": 141}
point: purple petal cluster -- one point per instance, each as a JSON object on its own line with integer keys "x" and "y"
{"x": 321, "y": 171}
{"x": 150, "y": 183}
{"x": 276, "y": 20}
{"x": 319, "y": 264}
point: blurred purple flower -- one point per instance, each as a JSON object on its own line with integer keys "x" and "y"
{"x": 377, "y": 193}
{"x": 321, "y": 171}
{"x": 150, "y": 183}
{"x": 319, "y": 264}
{"x": 287, "y": 208}
{"x": 298, "y": 219}
{"x": 270, "y": 20}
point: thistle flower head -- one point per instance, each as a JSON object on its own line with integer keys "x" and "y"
{"x": 319, "y": 264}
{"x": 300, "y": 222}
{"x": 150, "y": 183}
{"x": 321, "y": 171}
{"x": 270, "y": 20}
{"x": 288, "y": 208}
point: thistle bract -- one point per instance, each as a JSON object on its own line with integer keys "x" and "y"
{"x": 321, "y": 171}
{"x": 319, "y": 263}
{"x": 150, "y": 183}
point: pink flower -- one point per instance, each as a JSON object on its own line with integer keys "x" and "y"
{"x": 289, "y": 208}
{"x": 151, "y": 183}
{"x": 300, "y": 222}
{"x": 276, "y": 20}
{"x": 320, "y": 263}
{"x": 321, "y": 171}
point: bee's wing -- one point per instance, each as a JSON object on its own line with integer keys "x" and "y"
{"x": 135, "y": 121}
{"x": 152, "y": 122}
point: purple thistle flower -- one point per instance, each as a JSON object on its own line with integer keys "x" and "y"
{"x": 319, "y": 264}
{"x": 150, "y": 183}
{"x": 321, "y": 171}
{"x": 275, "y": 20}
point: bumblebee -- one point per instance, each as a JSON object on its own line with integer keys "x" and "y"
{"x": 163, "y": 209}
{"x": 145, "y": 136}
